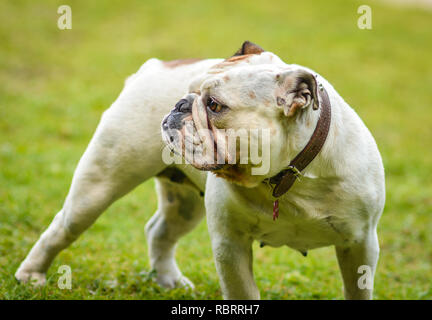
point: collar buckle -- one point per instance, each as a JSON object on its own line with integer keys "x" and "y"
{"x": 296, "y": 172}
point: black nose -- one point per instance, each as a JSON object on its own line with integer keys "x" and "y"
{"x": 183, "y": 106}
{"x": 165, "y": 124}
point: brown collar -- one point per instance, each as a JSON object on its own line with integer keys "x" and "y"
{"x": 286, "y": 178}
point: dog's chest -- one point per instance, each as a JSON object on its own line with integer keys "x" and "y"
{"x": 305, "y": 221}
{"x": 300, "y": 233}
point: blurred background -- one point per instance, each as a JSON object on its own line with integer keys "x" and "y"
{"x": 55, "y": 84}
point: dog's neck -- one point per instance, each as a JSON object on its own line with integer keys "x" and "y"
{"x": 299, "y": 132}
{"x": 284, "y": 180}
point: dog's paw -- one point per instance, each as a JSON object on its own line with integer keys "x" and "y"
{"x": 185, "y": 283}
{"x": 170, "y": 282}
{"x": 37, "y": 279}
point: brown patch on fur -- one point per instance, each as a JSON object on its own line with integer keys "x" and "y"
{"x": 229, "y": 63}
{"x": 232, "y": 173}
{"x": 247, "y": 50}
{"x": 226, "y": 78}
{"x": 238, "y": 58}
{"x": 252, "y": 95}
{"x": 181, "y": 62}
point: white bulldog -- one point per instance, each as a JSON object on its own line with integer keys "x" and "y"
{"x": 316, "y": 139}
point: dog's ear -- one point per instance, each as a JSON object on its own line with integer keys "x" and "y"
{"x": 248, "y": 48}
{"x": 297, "y": 90}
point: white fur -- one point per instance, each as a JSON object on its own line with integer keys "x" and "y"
{"x": 338, "y": 202}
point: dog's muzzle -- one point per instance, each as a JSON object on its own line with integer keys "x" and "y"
{"x": 174, "y": 120}
{"x": 188, "y": 132}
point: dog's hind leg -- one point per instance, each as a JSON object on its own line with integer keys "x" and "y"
{"x": 357, "y": 263}
{"x": 180, "y": 208}
{"x": 117, "y": 159}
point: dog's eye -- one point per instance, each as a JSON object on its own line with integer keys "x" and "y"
{"x": 214, "y": 106}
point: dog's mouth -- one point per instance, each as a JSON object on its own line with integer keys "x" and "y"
{"x": 191, "y": 135}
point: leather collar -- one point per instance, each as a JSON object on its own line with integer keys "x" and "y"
{"x": 285, "y": 179}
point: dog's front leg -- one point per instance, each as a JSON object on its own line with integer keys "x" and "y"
{"x": 357, "y": 264}
{"x": 232, "y": 251}
{"x": 231, "y": 243}
{"x": 233, "y": 257}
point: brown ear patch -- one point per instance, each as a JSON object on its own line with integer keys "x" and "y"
{"x": 248, "y": 48}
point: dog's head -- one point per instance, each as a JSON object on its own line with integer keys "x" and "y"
{"x": 241, "y": 108}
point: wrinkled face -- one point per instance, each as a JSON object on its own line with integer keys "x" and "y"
{"x": 236, "y": 118}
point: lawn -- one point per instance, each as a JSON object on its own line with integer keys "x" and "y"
{"x": 55, "y": 84}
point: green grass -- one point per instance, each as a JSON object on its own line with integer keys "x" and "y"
{"x": 55, "y": 85}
